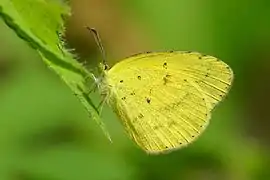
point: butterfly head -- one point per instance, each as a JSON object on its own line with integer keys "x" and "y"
{"x": 103, "y": 68}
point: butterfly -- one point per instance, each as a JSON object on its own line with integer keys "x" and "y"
{"x": 164, "y": 100}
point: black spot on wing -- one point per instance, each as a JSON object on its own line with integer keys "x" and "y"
{"x": 139, "y": 77}
{"x": 165, "y": 65}
{"x": 140, "y": 116}
{"x": 166, "y": 79}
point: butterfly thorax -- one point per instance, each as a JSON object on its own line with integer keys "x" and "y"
{"x": 104, "y": 86}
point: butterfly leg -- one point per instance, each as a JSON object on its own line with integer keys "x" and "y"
{"x": 94, "y": 85}
{"x": 105, "y": 98}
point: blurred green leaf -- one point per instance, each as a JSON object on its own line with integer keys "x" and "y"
{"x": 40, "y": 22}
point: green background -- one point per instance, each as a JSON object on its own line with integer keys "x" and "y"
{"x": 46, "y": 134}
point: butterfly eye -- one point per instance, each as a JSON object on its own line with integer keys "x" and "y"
{"x": 106, "y": 67}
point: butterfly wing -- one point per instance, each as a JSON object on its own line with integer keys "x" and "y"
{"x": 164, "y": 100}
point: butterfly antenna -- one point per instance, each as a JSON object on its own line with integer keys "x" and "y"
{"x": 98, "y": 41}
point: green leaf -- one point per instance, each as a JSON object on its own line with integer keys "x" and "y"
{"x": 40, "y": 23}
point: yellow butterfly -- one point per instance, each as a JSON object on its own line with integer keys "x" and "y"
{"x": 165, "y": 99}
